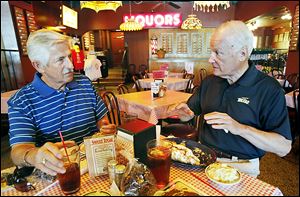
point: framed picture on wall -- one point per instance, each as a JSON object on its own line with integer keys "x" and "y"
{"x": 275, "y": 38}
{"x": 280, "y": 38}
{"x": 294, "y": 42}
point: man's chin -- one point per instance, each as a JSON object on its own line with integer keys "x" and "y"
{"x": 69, "y": 76}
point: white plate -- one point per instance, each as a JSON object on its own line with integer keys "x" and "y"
{"x": 223, "y": 168}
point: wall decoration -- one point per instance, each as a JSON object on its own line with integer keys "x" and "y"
{"x": 295, "y": 31}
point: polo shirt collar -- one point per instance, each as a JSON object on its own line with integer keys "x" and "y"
{"x": 44, "y": 90}
{"x": 249, "y": 77}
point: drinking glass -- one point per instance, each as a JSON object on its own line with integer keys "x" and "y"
{"x": 69, "y": 182}
{"x": 159, "y": 160}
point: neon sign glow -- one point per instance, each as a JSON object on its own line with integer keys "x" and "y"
{"x": 156, "y": 20}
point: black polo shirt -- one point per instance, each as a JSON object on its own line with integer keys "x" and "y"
{"x": 256, "y": 99}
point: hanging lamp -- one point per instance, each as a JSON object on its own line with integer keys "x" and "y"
{"x": 131, "y": 24}
{"x": 101, "y": 5}
{"x": 191, "y": 22}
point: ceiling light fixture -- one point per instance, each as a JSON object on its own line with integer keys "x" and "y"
{"x": 206, "y": 5}
{"x": 131, "y": 24}
{"x": 191, "y": 22}
{"x": 101, "y": 5}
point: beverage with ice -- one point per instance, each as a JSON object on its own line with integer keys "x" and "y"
{"x": 159, "y": 161}
{"x": 69, "y": 182}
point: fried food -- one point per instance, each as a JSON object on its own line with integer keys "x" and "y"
{"x": 183, "y": 154}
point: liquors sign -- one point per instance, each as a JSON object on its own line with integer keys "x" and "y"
{"x": 156, "y": 20}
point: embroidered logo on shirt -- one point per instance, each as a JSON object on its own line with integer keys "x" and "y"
{"x": 243, "y": 100}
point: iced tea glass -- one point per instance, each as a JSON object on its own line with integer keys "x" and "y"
{"x": 69, "y": 182}
{"x": 159, "y": 160}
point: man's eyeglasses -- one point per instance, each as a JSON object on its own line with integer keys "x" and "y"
{"x": 18, "y": 179}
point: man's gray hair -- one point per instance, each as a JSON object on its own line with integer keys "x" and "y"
{"x": 238, "y": 34}
{"x": 40, "y": 42}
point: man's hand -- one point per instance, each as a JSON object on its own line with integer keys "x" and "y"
{"x": 219, "y": 120}
{"x": 48, "y": 157}
{"x": 107, "y": 128}
{"x": 182, "y": 110}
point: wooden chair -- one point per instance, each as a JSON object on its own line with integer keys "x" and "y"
{"x": 295, "y": 129}
{"x": 202, "y": 74}
{"x": 111, "y": 102}
{"x": 122, "y": 89}
{"x": 136, "y": 83}
{"x": 291, "y": 82}
{"x": 189, "y": 85}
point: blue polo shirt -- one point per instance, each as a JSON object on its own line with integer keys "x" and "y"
{"x": 37, "y": 112}
{"x": 256, "y": 99}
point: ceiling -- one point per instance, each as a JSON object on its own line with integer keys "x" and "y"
{"x": 272, "y": 19}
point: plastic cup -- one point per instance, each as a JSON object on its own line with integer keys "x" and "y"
{"x": 69, "y": 182}
{"x": 159, "y": 160}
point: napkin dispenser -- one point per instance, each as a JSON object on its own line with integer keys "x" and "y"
{"x": 138, "y": 132}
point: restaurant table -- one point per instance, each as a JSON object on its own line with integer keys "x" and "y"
{"x": 290, "y": 100}
{"x": 171, "y": 75}
{"x": 5, "y": 96}
{"x": 172, "y": 83}
{"x": 248, "y": 186}
{"x": 141, "y": 103}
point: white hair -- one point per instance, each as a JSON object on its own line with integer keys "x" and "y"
{"x": 40, "y": 42}
{"x": 238, "y": 34}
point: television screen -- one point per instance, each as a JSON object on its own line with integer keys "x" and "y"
{"x": 70, "y": 17}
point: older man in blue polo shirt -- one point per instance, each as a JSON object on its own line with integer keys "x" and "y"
{"x": 56, "y": 100}
{"x": 244, "y": 110}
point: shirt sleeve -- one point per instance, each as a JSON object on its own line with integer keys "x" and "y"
{"x": 275, "y": 116}
{"x": 194, "y": 101}
{"x": 21, "y": 127}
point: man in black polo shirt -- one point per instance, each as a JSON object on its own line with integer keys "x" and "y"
{"x": 244, "y": 110}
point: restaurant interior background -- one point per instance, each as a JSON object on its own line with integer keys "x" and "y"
{"x": 119, "y": 49}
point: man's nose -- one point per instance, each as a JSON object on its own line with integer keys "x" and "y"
{"x": 69, "y": 63}
{"x": 211, "y": 58}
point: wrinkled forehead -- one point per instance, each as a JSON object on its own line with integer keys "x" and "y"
{"x": 60, "y": 49}
{"x": 222, "y": 40}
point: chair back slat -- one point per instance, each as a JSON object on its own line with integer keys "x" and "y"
{"x": 112, "y": 105}
{"x": 136, "y": 83}
{"x": 122, "y": 89}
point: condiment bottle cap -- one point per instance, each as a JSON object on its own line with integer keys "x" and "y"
{"x": 120, "y": 168}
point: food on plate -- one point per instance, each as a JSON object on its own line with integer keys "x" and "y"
{"x": 222, "y": 173}
{"x": 183, "y": 154}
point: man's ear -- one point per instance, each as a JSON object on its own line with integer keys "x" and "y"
{"x": 243, "y": 54}
{"x": 37, "y": 65}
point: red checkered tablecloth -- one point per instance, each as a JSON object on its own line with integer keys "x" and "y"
{"x": 248, "y": 185}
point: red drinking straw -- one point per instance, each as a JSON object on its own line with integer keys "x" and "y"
{"x": 62, "y": 139}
